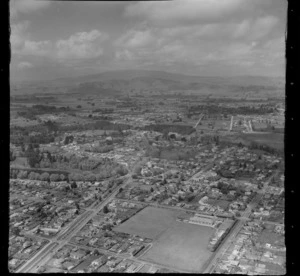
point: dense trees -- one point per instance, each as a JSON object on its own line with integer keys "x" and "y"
{"x": 69, "y": 139}
{"x": 101, "y": 148}
{"x": 170, "y": 153}
{"x": 33, "y": 156}
{"x": 104, "y": 168}
{"x": 164, "y": 128}
{"x": 264, "y": 147}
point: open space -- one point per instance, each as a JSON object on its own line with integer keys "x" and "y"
{"x": 275, "y": 140}
{"x": 177, "y": 245}
{"x": 149, "y": 223}
{"x": 183, "y": 247}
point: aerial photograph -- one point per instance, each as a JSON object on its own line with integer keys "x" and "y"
{"x": 147, "y": 137}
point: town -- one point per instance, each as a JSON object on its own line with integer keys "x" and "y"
{"x": 115, "y": 191}
{"x": 149, "y": 136}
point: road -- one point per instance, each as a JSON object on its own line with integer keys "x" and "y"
{"x": 126, "y": 256}
{"x": 231, "y": 236}
{"x": 38, "y": 258}
{"x": 42, "y": 257}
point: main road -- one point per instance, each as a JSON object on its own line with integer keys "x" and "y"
{"x": 231, "y": 236}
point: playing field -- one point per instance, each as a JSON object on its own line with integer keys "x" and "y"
{"x": 182, "y": 247}
{"x": 275, "y": 140}
{"x": 177, "y": 245}
{"x": 149, "y": 223}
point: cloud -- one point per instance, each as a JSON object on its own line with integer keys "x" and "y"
{"x": 243, "y": 45}
{"x": 18, "y": 35}
{"x": 262, "y": 26}
{"x": 81, "y": 45}
{"x": 24, "y": 65}
{"x": 37, "y": 48}
{"x": 26, "y": 6}
{"x": 193, "y": 11}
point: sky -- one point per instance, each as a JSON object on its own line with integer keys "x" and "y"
{"x": 53, "y": 39}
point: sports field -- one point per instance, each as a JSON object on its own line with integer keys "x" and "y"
{"x": 176, "y": 245}
{"x": 149, "y": 223}
{"x": 182, "y": 247}
{"x": 275, "y": 140}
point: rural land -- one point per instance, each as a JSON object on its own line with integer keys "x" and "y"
{"x": 147, "y": 171}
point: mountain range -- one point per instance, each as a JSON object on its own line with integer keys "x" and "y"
{"x": 142, "y": 80}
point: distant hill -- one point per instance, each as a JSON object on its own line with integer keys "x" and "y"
{"x": 136, "y": 80}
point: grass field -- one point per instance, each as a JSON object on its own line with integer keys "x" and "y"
{"x": 183, "y": 246}
{"x": 177, "y": 245}
{"x": 275, "y": 140}
{"x": 149, "y": 223}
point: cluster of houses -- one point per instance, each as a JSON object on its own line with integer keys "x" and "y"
{"x": 270, "y": 208}
{"x": 73, "y": 259}
{"x": 253, "y": 254}
{"x": 21, "y": 249}
{"x": 99, "y": 231}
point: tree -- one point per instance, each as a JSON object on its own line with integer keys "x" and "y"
{"x": 151, "y": 190}
{"x": 54, "y": 177}
{"x": 105, "y": 209}
{"x": 191, "y": 189}
{"x": 73, "y": 185}
{"x": 69, "y": 139}
{"x": 190, "y": 198}
{"x": 237, "y": 214}
{"x": 32, "y": 156}
{"x": 95, "y": 252}
{"x": 45, "y": 176}
{"x": 22, "y": 174}
{"x": 12, "y": 157}
{"x": 76, "y": 177}
{"x": 120, "y": 190}
{"x": 90, "y": 177}
{"x": 137, "y": 170}
{"x": 32, "y": 176}
{"x": 51, "y": 126}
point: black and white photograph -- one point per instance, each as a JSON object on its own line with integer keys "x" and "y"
{"x": 147, "y": 136}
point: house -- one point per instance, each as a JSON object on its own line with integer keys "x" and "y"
{"x": 77, "y": 255}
